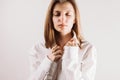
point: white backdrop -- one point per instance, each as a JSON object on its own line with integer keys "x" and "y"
{"x": 21, "y": 25}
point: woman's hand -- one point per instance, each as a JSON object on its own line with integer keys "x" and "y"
{"x": 56, "y": 54}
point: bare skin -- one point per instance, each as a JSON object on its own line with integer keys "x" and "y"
{"x": 63, "y": 20}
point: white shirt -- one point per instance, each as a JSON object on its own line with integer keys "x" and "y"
{"x": 76, "y": 63}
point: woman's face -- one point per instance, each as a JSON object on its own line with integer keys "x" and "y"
{"x": 63, "y": 17}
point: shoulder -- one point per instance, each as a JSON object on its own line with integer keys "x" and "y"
{"x": 39, "y": 47}
{"x": 86, "y": 44}
{"x": 88, "y": 47}
{"x": 88, "y": 50}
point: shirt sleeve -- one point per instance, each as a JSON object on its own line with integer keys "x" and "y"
{"x": 88, "y": 66}
{"x": 41, "y": 68}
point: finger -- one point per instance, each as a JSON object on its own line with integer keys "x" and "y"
{"x": 58, "y": 52}
{"x": 56, "y": 48}
{"x": 57, "y": 57}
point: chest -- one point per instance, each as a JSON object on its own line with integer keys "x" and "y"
{"x": 69, "y": 67}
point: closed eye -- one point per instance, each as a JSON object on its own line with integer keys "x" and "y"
{"x": 56, "y": 13}
{"x": 68, "y": 14}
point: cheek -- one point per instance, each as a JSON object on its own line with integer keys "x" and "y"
{"x": 54, "y": 20}
{"x": 71, "y": 21}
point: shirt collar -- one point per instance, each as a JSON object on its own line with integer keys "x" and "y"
{"x": 74, "y": 37}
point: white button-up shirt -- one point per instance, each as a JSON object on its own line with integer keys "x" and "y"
{"x": 76, "y": 63}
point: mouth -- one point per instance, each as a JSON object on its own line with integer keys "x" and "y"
{"x": 62, "y": 25}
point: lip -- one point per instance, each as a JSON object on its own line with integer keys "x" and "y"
{"x": 62, "y": 25}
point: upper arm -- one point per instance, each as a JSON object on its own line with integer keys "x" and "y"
{"x": 36, "y": 55}
{"x": 89, "y": 63}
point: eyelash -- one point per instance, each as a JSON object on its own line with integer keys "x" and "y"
{"x": 58, "y": 14}
{"x": 68, "y": 14}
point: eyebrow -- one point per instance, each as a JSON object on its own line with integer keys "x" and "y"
{"x": 60, "y": 11}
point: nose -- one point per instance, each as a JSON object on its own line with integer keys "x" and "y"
{"x": 62, "y": 18}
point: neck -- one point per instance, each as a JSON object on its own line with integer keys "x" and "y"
{"x": 64, "y": 38}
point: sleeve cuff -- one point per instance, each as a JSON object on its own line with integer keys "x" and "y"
{"x": 47, "y": 63}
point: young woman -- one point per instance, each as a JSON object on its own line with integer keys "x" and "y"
{"x": 64, "y": 54}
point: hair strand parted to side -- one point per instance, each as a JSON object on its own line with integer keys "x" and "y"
{"x": 49, "y": 32}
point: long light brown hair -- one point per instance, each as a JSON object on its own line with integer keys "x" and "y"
{"x": 49, "y": 31}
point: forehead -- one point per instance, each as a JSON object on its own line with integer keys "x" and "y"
{"x": 65, "y": 6}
